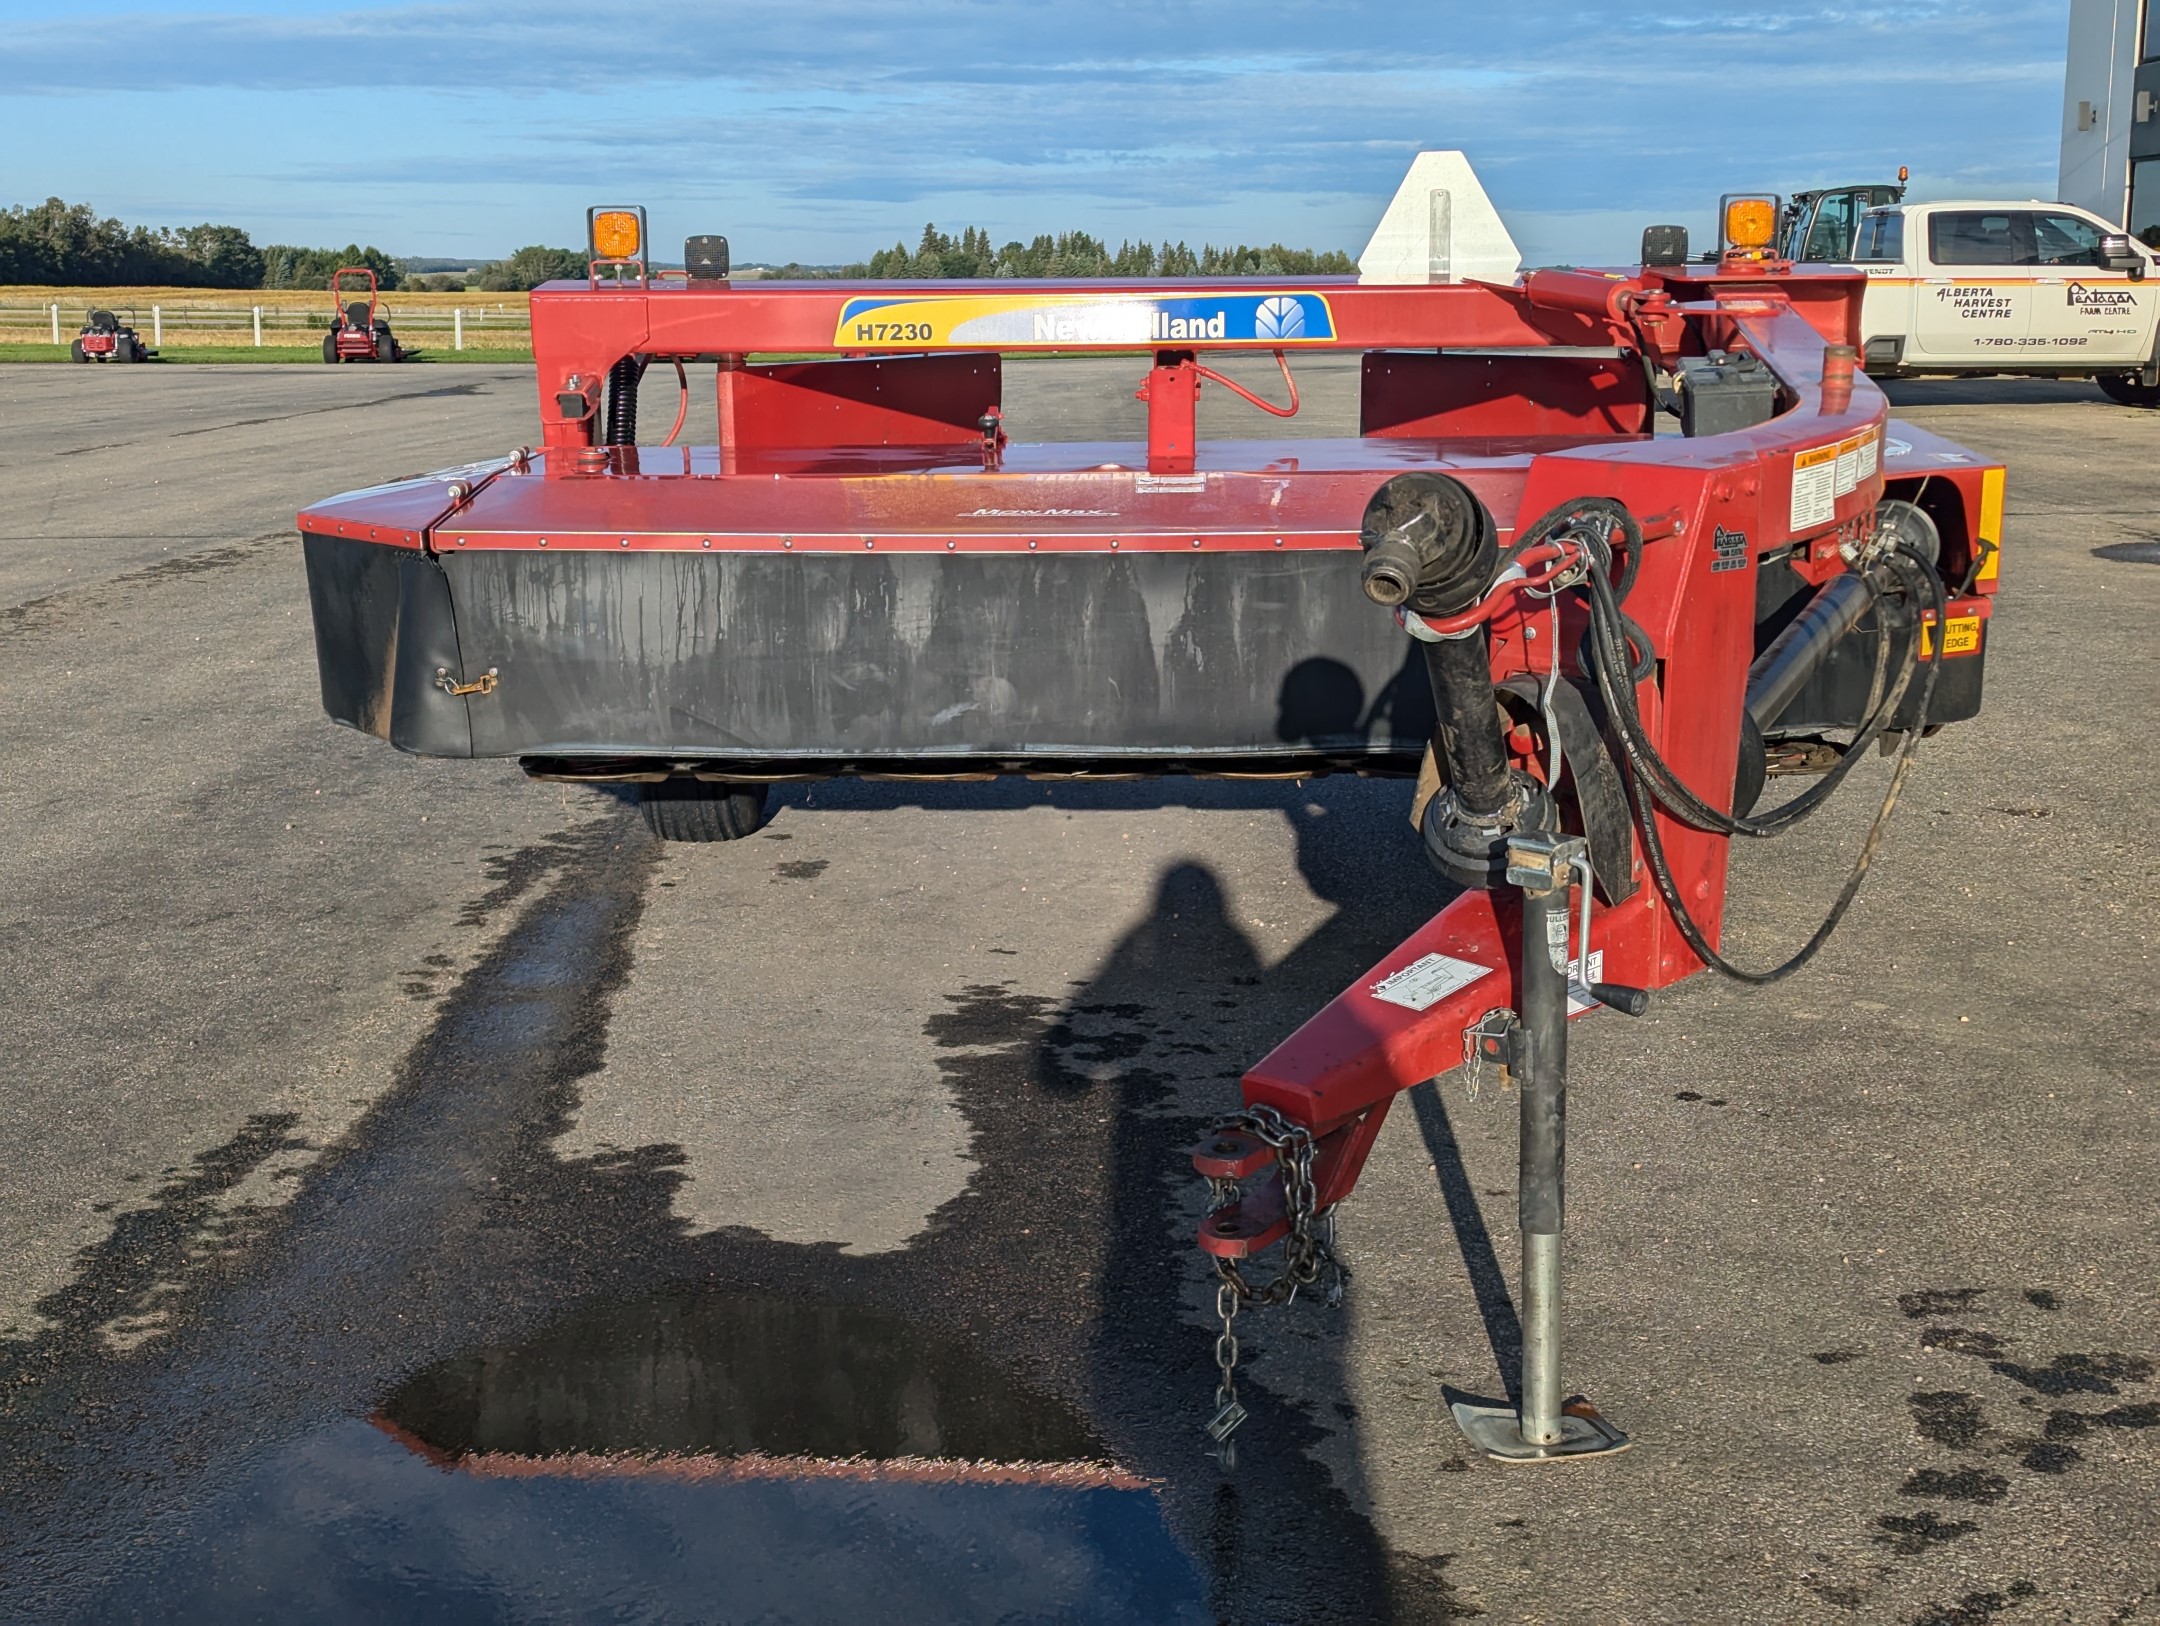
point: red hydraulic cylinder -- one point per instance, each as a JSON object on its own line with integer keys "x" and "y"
{"x": 1172, "y": 393}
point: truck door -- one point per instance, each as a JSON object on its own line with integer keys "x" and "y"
{"x": 1976, "y": 288}
{"x": 2082, "y": 311}
{"x": 1886, "y": 310}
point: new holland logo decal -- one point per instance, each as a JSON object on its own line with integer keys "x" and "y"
{"x": 901, "y": 322}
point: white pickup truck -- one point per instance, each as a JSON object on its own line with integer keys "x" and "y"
{"x": 2036, "y": 288}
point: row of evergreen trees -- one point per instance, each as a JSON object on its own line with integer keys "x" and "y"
{"x": 1077, "y": 254}
{"x": 67, "y": 244}
{"x": 56, "y": 243}
{"x": 60, "y": 244}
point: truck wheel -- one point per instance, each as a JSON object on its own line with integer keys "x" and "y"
{"x": 75, "y": 351}
{"x": 700, "y": 810}
{"x": 2125, "y": 389}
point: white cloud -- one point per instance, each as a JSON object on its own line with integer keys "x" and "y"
{"x": 846, "y": 122}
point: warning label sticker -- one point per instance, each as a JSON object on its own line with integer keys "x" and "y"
{"x": 1848, "y": 464}
{"x": 1422, "y": 984}
{"x": 1814, "y": 487}
{"x": 1855, "y": 461}
{"x": 1578, "y": 985}
{"x": 1961, "y": 637}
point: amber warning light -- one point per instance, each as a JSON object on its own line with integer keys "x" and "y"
{"x": 1750, "y": 223}
{"x": 616, "y": 234}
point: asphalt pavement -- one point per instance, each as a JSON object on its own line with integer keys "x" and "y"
{"x": 425, "y": 1196}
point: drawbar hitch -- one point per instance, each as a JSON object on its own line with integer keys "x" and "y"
{"x": 1431, "y": 551}
{"x": 1432, "y": 554}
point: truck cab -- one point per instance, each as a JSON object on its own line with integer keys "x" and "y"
{"x": 1985, "y": 287}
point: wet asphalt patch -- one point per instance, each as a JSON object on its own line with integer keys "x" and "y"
{"x": 462, "y": 1373}
{"x": 2001, "y": 1425}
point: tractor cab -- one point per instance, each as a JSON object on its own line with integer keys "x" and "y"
{"x": 1819, "y": 226}
{"x": 359, "y": 331}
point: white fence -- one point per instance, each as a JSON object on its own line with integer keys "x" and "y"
{"x": 489, "y": 325}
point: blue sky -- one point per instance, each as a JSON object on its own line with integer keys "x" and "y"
{"x": 821, "y": 129}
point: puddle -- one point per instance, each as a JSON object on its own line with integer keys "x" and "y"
{"x": 692, "y": 1456}
{"x": 732, "y": 1373}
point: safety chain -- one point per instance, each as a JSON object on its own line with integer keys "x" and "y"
{"x": 1308, "y": 1254}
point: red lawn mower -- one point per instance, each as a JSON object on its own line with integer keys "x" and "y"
{"x": 103, "y": 339}
{"x": 358, "y": 329}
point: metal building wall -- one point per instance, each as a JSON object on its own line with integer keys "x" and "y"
{"x": 2099, "y": 87}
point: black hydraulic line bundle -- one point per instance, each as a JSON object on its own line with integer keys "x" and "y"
{"x": 1620, "y": 655}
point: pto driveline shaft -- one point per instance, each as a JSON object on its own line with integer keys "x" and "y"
{"x": 1466, "y": 722}
{"x": 1797, "y": 654}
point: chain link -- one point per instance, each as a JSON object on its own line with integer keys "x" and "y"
{"x": 1308, "y": 1254}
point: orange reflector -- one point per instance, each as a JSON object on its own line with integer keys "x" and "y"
{"x": 1750, "y": 222}
{"x": 1991, "y": 518}
{"x": 615, "y": 234}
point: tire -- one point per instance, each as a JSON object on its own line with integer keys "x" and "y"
{"x": 124, "y": 349}
{"x": 385, "y": 347}
{"x": 700, "y": 810}
{"x": 76, "y": 351}
{"x": 2125, "y": 390}
{"x": 329, "y": 348}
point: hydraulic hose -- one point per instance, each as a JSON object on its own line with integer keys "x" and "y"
{"x": 1235, "y": 388}
{"x": 1661, "y": 870}
{"x": 1651, "y": 782}
{"x": 622, "y": 390}
{"x": 682, "y": 404}
{"x": 1613, "y": 647}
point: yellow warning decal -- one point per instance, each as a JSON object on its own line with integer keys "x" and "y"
{"x": 1814, "y": 487}
{"x": 1961, "y": 638}
{"x": 1991, "y": 518}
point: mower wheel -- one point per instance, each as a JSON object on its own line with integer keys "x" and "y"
{"x": 385, "y": 347}
{"x": 124, "y": 349}
{"x": 75, "y": 351}
{"x": 329, "y": 348}
{"x": 700, "y": 810}
{"x": 2125, "y": 389}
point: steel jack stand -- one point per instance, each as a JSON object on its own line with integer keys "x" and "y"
{"x": 1547, "y": 1428}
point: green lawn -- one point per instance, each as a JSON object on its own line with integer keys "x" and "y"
{"x": 269, "y": 353}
